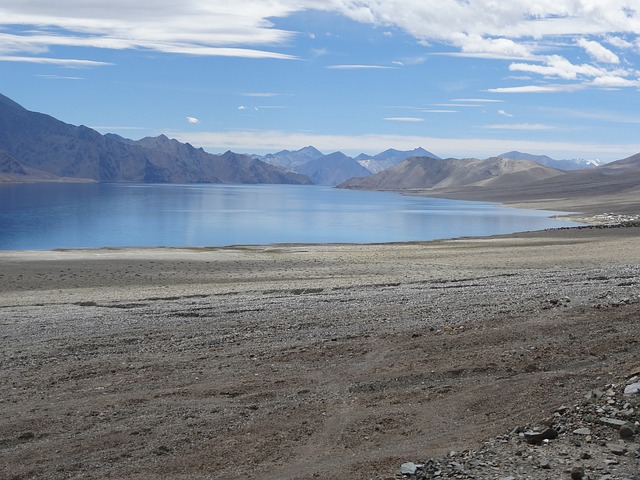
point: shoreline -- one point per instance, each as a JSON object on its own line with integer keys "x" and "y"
{"x": 77, "y": 275}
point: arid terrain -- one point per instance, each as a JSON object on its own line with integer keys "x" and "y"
{"x": 319, "y": 361}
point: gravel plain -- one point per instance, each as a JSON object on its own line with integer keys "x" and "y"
{"x": 308, "y": 361}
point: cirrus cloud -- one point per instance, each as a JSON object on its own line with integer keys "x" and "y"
{"x": 477, "y": 27}
{"x": 404, "y": 119}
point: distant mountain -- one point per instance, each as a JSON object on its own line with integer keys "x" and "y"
{"x": 332, "y": 169}
{"x": 389, "y": 158}
{"x": 427, "y": 173}
{"x": 575, "y": 164}
{"x": 290, "y": 159}
{"x": 613, "y": 187}
{"x": 38, "y": 147}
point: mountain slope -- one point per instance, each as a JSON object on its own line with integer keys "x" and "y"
{"x": 227, "y": 168}
{"x": 426, "y": 172}
{"x": 332, "y": 169}
{"x": 550, "y": 162}
{"x": 613, "y": 187}
{"x": 389, "y": 158}
{"x": 48, "y": 149}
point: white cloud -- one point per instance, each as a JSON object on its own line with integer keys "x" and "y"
{"x": 357, "y": 67}
{"x": 598, "y": 52}
{"x": 481, "y": 28}
{"x": 193, "y": 120}
{"x": 476, "y": 45}
{"x": 537, "y": 89}
{"x": 615, "y": 82}
{"x": 558, "y": 66}
{"x": 465, "y": 105}
{"x": 188, "y": 27}
{"x": 618, "y": 42}
{"x": 504, "y": 113}
{"x": 65, "y": 62}
{"x": 404, "y": 119}
{"x": 477, "y": 100}
{"x": 59, "y": 77}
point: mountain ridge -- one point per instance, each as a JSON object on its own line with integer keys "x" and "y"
{"x": 427, "y": 172}
{"x": 610, "y": 187}
{"x": 575, "y": 164}
{"x": 39, "y": 147}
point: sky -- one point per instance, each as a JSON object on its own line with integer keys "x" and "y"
{"x": 460, "y": 78}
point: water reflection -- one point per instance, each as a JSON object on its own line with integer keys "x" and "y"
{"x": 46, "y": 216}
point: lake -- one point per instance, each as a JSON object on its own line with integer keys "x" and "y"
{"x": 58, "y": 215}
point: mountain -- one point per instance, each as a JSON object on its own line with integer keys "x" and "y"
{"x": 575, "y": 164}
{"x": 428, "y": 172}
{"x": 332, "y": 169}
{"x": 38, "y": 147}
{"x": 290, "y": 159}
{"x": 613, "y": 187}
{"x": 389, "y": 158}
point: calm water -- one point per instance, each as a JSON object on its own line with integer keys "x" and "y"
{"x": 48, "y": 216}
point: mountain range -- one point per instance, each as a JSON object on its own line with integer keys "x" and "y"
{"x": 38, "y": 147}
{"x": 613, "y": 186}
{"x": 574, "y": 164}
{"x": 337, "y": 167}
{"x": 427, "y": 172}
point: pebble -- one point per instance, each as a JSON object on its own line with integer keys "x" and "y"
{"x": 408, "y": 468}
{"x": 577, "y": 473}
{"x": 617, "y": 448}
{"x": 536, "y": 438}
{"x": 613, "y": 422}
{"x": 633, "y": 389}
{"x": 627, "y": 431}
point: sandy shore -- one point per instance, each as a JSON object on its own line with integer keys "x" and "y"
{"x": 302, "y": 361}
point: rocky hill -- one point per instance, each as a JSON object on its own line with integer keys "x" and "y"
{"x": 38, "y": 147}
{"x": 612, "y": 187}
{"x": 427, "y": 173}
{"x": 574, "y": 164}
{"x": 389, "y": 158}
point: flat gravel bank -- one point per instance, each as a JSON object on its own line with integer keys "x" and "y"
{"x": 302, "y": 361}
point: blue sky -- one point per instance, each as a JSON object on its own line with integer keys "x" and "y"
{"x": 460, "y": 78}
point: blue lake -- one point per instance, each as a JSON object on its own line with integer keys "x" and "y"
{"x": 48, "y": 216}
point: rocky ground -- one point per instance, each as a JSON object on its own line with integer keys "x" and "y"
{"x": 593, "y": 438}
{"x": 473, "y": 358}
